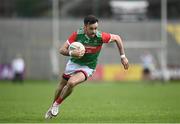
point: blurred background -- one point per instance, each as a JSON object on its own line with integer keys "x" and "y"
{"x": 33, "y": 30}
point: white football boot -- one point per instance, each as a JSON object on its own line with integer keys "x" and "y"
{"x": 55, "y": 110}
{"x": 48, "y": 114}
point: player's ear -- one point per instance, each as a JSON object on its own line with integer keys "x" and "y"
{"x": 85, "y": 26}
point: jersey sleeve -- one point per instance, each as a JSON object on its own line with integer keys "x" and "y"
{"x": 106, "y": 37}
{"x": 72, "y": 38}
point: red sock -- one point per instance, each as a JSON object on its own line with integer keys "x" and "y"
{"x": 59, "y": 100}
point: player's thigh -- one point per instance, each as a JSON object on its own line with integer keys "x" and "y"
{"x": 76, "y": 78}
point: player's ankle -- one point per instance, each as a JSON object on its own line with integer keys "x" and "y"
{"x": 55, "y": 104}
{"x": 58, "y": 101}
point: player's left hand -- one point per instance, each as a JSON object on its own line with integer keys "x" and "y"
{"x": 125, "y": 63}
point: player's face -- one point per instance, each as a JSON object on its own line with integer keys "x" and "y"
{"x": 91, "y": 29}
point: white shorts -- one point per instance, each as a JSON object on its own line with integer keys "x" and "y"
{"x": 72, "y": 68}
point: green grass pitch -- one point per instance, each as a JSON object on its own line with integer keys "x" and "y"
{"x": 108, "y": 102}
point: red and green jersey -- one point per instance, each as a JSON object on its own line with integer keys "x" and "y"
{"x": 92, "y": 45}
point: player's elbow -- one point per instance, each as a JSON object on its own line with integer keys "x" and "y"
{"x": 118, "y": 38}
{"x": 115, "y": 38}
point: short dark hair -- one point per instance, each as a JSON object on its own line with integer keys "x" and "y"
{"x": 90, "y": 19}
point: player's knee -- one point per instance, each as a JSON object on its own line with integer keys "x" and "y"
{"x": 71, "y": 83}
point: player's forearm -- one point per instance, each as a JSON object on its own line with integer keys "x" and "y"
{"x": 64, "y": 51}
{"x": 120, "y": 45}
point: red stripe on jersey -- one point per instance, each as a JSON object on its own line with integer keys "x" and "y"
{"x": 106, "y": 37}
{"x": 72, "y": 37}
{"x": 93, "y": 49}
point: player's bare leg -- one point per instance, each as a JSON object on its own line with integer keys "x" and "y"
{"x": 74, "y": 80}
{"x": 61, "y": 85}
